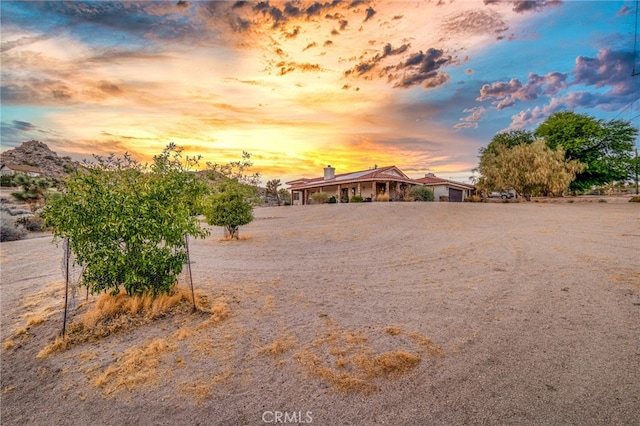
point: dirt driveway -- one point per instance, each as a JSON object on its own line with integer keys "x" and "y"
{"x": 523, "y": 313}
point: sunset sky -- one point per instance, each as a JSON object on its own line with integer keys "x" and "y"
{"x": 420, "y": 85}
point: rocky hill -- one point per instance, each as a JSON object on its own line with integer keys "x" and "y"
{"x": 38, "y": 154}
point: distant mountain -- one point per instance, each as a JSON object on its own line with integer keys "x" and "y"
{"x": 38, "y": 154}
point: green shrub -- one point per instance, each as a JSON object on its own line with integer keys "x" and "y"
{"x": 6, "y": 180}
{"x": 422, "y": 193}
{"x": 32, "y": 223}
{"x": 229, "y": 207}
{"x": 332, "y": 200}
{"x": 126, "y": 223}
{"x": 357, "y": 199}
{"x": 9, "y": 229}
{"x": 320, "y": 197}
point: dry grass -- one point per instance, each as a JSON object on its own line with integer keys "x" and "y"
{"x": 393, "y": 330}
{"x": 8, "y": 344}
{"x": 219, "y": 312}
{"x": 280, "y": 345}
{"x": 344, "y": 359}
{"x": 433, "y": 349}
{"x": 108, "y": 307}
{"x": 34, "y": 319}
{"x": 137, "y": 367}
{"x": 59, "y": 345}
{"x": 200, "y": 390}
{"x": 388, "y": 363}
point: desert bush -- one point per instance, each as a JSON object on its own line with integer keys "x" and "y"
{"x": 33, "y": 190}
{"x": 6, "y": 180}
{"x": 126, "y": 223}
{"x": 382, "y": 197}
{"x": 320, "y": 197}
{"x": 357, "y": 199}
{"x": 602, "y": 200}
{"x": 32, "y": 223}
{"x": 422, "y": 193}
{"x": 9, "y": 229}
{"x": 229, "y": 207}
{"x": 635, "y": 199}
{"x": 475, "y": 198}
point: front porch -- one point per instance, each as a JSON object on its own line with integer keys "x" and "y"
{"x": 343, "y": 193}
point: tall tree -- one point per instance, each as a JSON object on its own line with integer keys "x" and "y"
{"x": 508, "y": 139}
{"x": 604, "y": 147}
{"x": 272, "y": 189}
{"x": 530, "y": 169}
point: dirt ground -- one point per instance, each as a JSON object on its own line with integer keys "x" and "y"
{"x": 359, "y": 314}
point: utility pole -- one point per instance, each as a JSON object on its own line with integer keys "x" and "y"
{"x": 637, "y": 192}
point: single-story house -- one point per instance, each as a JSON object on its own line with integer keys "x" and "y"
{"x": 445, "y": 189}
{"x": 388, "y": 182}
{"x": 370, "y": 184}
{"x": 10, "y": 169}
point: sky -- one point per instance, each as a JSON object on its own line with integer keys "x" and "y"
{"x": 422, "y": 85}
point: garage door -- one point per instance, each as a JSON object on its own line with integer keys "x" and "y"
{"x": 455, "y": 195}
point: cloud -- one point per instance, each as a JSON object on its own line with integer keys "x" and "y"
{"x": 609, "y": 68}
{"x": 523, "y": 6}
{"x": 368, "y": 65}
{"x": 505, "y": 94}
{"x": 471, "y": 121}
{"x": 288, "y": 67}
{"x": 23, "y": 125}
{"x": 624, "y": 11}
{"x": 475, "y": 22}
{"x": 370, "y": 13}
{"x": 422, "y": 68}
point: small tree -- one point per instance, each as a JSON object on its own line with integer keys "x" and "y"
{"x": 272, "y": 189}
{"x": 126, "y": 223}
{"x": 229, "y": 207}
{"x": 285, "y": 196}
{"x": 320, "y": 197}
{"x": 33, "y": 190}
{"x": 530, "y": 169}
{"x": 422, "y": 193}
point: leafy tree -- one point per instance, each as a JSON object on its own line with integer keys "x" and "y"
{"x": 229, "y": 207}
{"x": 126, "y": 223}
{"x": 422, "y": 193}
{"x": 237, "y": 170}
{"x": 508, "y": 139}
{"x": 285, "y": 196}
{"x": 604, "y": 147}
{"x": 33, "y": 190}
{"x": 530, "y": 169}
{"x": 272, "y": 189}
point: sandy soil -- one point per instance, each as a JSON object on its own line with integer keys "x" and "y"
{"x": 523, "y": 313}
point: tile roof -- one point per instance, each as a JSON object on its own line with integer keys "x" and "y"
{"x": 380, "y": 173}
{"x": 432, "y": 181}
{"x": 20, "y": 168}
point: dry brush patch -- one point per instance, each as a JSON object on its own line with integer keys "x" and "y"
{"x": 138, "y": 366}
{"x": 118, "y": 313}
{"x": 347, "y": 360}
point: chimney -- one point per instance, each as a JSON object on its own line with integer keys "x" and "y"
{"x": 329, "y": 172}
